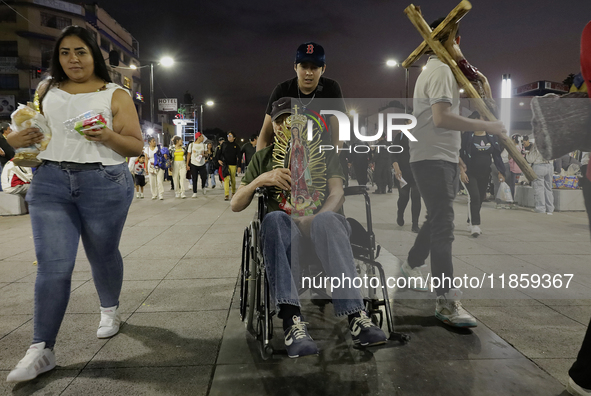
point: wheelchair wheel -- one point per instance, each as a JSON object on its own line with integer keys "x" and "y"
{"x": 244, "y": 274}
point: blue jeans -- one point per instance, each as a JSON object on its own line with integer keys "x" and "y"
{"x": 438, "y": 185}
{"x": 282, "y": 246}
{"x": 66, "y": 203}
{"x": 543, "y": 195}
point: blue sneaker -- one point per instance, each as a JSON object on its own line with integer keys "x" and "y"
{"x": 365, "y": 333}
{"x": 297, "y": 340}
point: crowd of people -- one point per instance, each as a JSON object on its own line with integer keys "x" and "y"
{"x": 114, "y": 160}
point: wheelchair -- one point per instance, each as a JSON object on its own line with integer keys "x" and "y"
{"x": 256, "y": 308}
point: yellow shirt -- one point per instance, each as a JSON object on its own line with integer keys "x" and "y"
{"x": 179, "y": 154}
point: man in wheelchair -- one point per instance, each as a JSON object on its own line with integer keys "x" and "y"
{"x": 323, "y": 227}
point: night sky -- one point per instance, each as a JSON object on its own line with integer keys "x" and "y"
{"x": 236, "y": 52}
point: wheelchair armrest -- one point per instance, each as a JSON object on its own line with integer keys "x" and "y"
{"x": 355, "y": 190}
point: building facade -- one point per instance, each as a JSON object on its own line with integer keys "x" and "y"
{"x": 27, "y": 40}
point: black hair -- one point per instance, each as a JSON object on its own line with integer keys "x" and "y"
{"x": 3, "y": 127}
{"x": 445, "y": 37}
{"x": 253, "y": 137}
{"x": 142, "y": 155}
{"x": 233, "y": 134}
{"x": 151, "y": 138}
{"x": 100, "y": 67}
{"x": 475, "y": 115}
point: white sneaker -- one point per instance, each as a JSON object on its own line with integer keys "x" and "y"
{"x": 38, "y": 360}
{"x": 194, "y": 195}
{"x": 204, "y": 192}
{"x": 110, "y": 321}
{"x": 177, "y": 195}
{"x": 475, "y": 231}
{"x": 415, "y": 278}
{"x": 137, "y": 195}
{"x": 141, "y": 195}
{"x": 448, "y": 309}
{"x": 574, "y": 389}
{"x": 154, "y": 197}
{"x": 160, "y": 197}
{"x": 183, "y": 196}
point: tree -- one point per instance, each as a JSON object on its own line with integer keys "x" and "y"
{"x": 569, "y": 80}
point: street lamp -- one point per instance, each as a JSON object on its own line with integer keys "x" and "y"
{"x": 506, "y": 106}
{"x": 166, "y": 61}
{"x": 393, "y": 63}
{"x": 208, "y": 103}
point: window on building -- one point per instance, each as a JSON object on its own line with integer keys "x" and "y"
{"x": 9, "y": 81}
{"x": 8, "y": 48}
{"x": 116, "y": 77}
{"x": 7, "y": 15}
{"x": 126, "y": 59}
{"x": 105, "y": 44}
{"x": 46, "y": 53}
{"x": 55, "y": 21}
{"x": 126, "y": 82}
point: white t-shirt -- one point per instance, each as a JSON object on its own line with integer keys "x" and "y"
{"x": 197, "y": 151}
{"x": 435, "y": 84}
{"x": 150, "y": 154}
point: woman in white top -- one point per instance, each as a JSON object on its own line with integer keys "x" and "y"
{"x": 82, "y": 189}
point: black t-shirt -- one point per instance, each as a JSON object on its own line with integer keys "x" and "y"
{"x": 480, "y": 154}
{"x": 326, "y": 89}
{"x": 248, "y": 149}
{"x": 230, "y": 153}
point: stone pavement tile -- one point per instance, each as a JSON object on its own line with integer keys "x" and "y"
{"x": 3, "y": 284}
{"x": 567, "y": 302}
{"x": 133, "y": 293}
{"x": 9, "y": 323}
{"x": 76, "y": 342}
{"x": 578, "y": 313}
{"x": 12, "y": 270}
{"x": 536, "y": 331}
{"x": 142, "y": 381}
{"x": 164, "y": 339}
{"x": 158, "y": 251}
{"x": 560, "y": 263}
{"x": 399, "y": 377}
{"x": 18, "y": 252}
{"x": 53, "y": 382}
{"x": 513, "y": 247}
{"x": 147, "y": 268}
{"x": 219, "y": 249}
{"x": 575, "y": 291}
{"x": 211, "y": 267}
{"x": 190, "y": 295}
{"x": 499, "y": 264}
{"x": 17, "y": 298}
{"x": 557, "y": 368}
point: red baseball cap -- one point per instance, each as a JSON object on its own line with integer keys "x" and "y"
{"x": 197, "y": 135}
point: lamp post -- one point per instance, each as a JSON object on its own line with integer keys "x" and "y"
{"x": 208, "y": 103}
{"x": 393, "y": 63}
{"x": 166, "y": 61}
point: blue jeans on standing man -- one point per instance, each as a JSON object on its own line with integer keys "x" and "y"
{"x": 438, "y": 184}
{"x": 282, "y": 246}
{"x": 68, "y": 201}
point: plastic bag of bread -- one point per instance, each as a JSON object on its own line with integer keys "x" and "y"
{"x": 25, "y": 117}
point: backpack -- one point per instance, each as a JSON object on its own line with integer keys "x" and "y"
{"x": 159, "y": 160}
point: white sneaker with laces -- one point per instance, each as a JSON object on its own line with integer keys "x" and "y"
{"x": 194, "y": 195}
{"x": 110, "y": 322}
{"x": 177, "y": 195}
{"x": 183, "y": 196}
{"x": 38, "y": 360}
{"x": 160, "y": 197}
{"x": 475, "y": 231}
{"x": 449, "y": 310}
{"x": 137, "y": 195}
{"x": 141, "y": 195}
{"x": 415, "y": 278}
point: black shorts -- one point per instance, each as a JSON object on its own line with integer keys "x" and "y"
{"x": 140, "y": 180}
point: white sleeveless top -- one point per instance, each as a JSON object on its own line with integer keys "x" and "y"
{"x": 68, "y": 145}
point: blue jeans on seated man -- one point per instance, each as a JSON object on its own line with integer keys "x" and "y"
{"x": 66, "y": 204}
{"x": 438, "y": 184}
{"x": 282, "y": 247}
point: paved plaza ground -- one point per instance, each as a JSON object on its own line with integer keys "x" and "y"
{"x": 182, "y": 334}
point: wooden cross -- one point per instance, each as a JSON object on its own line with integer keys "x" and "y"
{"x": 449, "y": 27}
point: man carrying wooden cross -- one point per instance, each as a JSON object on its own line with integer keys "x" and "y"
{"x": 434, "y": 161}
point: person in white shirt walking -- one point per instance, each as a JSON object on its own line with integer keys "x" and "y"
{"x": 156, "y": 176}
{"x": 196, "y": 162}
